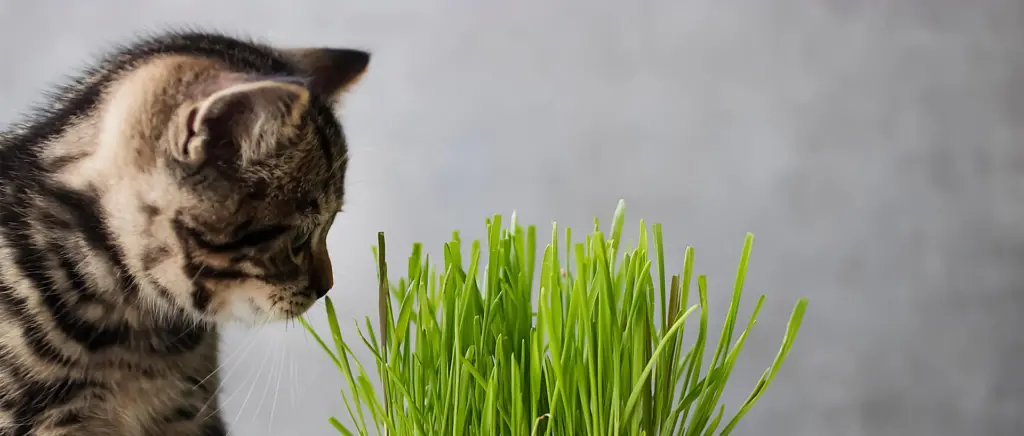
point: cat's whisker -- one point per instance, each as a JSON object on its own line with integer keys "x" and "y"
{"x": 293, "y": 379}
{"x": 232, "y": 369}
{"x": 244, "y": 350}
{"x": 228, "y": 400}
{"x": 220, "y": 385}
{"x": 276, "y": 352}
{"x": 252, "y": 386}
{"x": 277, "y": 388}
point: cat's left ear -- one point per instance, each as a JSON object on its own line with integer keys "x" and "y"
{"x": 330, "y": 71}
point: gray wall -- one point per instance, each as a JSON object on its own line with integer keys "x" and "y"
{"x": 873, "y": 146}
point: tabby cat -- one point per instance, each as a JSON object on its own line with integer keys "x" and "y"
{"x": 185, "y": 180}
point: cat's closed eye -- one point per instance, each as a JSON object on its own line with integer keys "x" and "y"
{"x": 248, "y": 239}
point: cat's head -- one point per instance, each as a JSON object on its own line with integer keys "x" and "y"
{"x": 239, "y": 177}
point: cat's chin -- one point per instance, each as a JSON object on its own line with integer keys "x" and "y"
{"x": 248, "y": 312}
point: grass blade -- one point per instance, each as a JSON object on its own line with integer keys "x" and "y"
{"x": 590, "y": 344}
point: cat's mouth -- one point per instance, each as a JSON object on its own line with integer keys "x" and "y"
{"x": 253, "y": 309}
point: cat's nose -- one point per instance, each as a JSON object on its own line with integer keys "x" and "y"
{"x": 322, "y": 275}
{"x": 321, "y": 289}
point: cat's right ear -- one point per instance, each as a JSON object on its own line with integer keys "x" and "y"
{"x": 242, "y": 121}
{"x": 330, "y": 71}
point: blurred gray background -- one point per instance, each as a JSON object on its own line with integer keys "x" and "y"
{"x": 873, "y": 146}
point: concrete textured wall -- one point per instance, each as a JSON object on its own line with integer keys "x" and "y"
{"x": 873, "y": 146}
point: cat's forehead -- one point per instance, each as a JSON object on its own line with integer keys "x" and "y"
{"x": 309, "y": 171}
{"x": 320, "y": 152}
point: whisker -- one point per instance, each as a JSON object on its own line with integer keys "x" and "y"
{"x": 266, "y": 388}
{"x": 252, "y": 341}
{"x": 220, "y": 385}
{"x": 251, "y": 387}
{"x": 293, "y": 378}
{"x": 277, "y": 390}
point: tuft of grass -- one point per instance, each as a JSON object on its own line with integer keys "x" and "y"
{"x": 591, "y": 344}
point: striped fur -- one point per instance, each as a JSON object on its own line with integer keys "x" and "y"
{"x": 184, "y": 181}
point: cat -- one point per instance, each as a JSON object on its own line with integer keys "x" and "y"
{"x": 184, "y": 181}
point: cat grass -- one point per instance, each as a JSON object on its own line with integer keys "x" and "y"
{"x": 591, "y": 343}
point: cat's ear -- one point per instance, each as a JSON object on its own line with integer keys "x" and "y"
{"x": 330, "y": 71}
{"x": 243, "y": 120}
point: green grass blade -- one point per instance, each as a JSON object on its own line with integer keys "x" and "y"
{"x": 590, "y": 344}
{"x": 341, "y": 428}
{"x": 795, "y": 319}
{"x": 633, "y": 396}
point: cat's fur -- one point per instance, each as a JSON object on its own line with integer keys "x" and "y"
{"x": 185, "y": 180}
